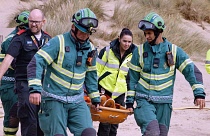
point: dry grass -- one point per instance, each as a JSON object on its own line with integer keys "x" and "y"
{"x": 128, "y": 13}
{"x": 194, "y": 10}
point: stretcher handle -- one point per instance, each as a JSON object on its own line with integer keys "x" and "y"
{"x": 112, "y": 109}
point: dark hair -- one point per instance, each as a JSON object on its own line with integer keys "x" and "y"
{"x": 126, "y": 31}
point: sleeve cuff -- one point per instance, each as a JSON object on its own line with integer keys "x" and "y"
{"x": 200, "y": 97}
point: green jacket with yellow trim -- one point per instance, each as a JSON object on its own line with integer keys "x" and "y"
{"x": 9, "y": 79}
{"x": 63, "y": 76}
{"x": 112, "y": 69}
{"x": 207, "y": 63}
{"x": 152, "y": 78}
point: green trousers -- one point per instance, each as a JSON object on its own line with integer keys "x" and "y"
{"x": 9, "y": 102}
{"x": 55, "y": 117}
{"x": 153, "y": 118}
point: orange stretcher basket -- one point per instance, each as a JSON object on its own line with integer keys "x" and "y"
{"x": 109, "y": 115}
{"x": 110, "y": 112}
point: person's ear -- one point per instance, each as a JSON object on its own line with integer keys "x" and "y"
{"x": 43, "y": 21}
{"x": 73, "y": 27}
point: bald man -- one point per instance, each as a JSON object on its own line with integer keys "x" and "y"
{"x": 22, "y": 48}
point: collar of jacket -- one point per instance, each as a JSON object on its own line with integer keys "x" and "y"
{"x": 82, "y": 46}
{"x": 114, "y": 45}
{"x": 158, "y": 48}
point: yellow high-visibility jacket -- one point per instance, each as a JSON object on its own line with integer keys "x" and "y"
{"x": 207, "y": 63}
{"x": 112, "y": 69}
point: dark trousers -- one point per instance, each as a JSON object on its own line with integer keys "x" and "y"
{"x": 106, "y": 129}
{"x": 27, "y": 112}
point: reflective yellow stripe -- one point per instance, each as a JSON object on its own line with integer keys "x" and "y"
{"x": 107, "y": 52}
{"x": 35, "y": 82}
{"x": 100, "y": 61}
{"x": 2, "y": 56}
{"x": 65, "y": 84}
{"x": 133, "y": 67}
{"x": 195, "y": 86}
{"x": 157, "y": 77}
{"x": 62, "y": 50}
{"x": 91, "y": 68}
{"x": 68, "y": 73}
{"x": 184, "y": 64}
{"x": 116, "y": 94}
{"x": 45, "y": 55}
{"x": 76, "y": 86}
{"x": 174, "y": 49}
{"x": 9, "y": 36}
{"x": 9, "y": 134}
{"x": 11, "y": 68}
{"x": 141, "y": 50}
{"x": 155, "y": 87}
{"x": 131, "y": 93}
{"x": 94, "y": 95}
{"x": 10, "y": 129}
{"x": 92, "y": 46}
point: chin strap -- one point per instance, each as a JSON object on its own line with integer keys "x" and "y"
{"x": 75, "y": 34}
{"x": 157, "y": 33}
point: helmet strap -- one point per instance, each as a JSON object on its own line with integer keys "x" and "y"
{"x": 156, "y": 33}
{"x": 75, "y": 34}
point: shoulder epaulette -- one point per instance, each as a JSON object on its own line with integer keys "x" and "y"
{"x": 21, "y": 31}
{"x": 46, "y": 33}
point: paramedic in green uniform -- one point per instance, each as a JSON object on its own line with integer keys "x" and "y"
{"x": 66, "y": 59}
{"x": 8, "y": 96}
{"x": 152, "y": 73}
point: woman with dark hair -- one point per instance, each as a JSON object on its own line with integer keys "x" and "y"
{"x": 112, "y": 70}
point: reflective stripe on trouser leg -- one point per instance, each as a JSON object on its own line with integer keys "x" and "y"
{"x": 10, "y": 131}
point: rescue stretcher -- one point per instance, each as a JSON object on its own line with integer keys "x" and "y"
{"x": 109, "y": 111}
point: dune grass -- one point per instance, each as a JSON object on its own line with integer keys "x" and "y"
{"x": 128, "y": 13}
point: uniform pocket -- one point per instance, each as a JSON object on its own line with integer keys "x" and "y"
{"x": 147, "y": 67}
{"x": 140, "y": 113}
{"x": 44, "y": 116}
{"x": 7, "y": 94}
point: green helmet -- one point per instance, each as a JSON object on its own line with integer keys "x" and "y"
{"x": 22, "y": 18}
{"x": 152, "y": 21}
{"x": 85, "y": 20}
